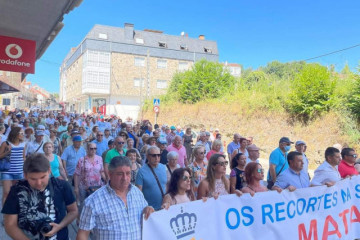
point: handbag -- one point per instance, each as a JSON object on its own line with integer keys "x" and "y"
{"x": 5, "y": 163}
{"x": 90, "y": 190}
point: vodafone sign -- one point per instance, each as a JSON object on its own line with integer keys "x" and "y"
{"x": 17, "y": 55}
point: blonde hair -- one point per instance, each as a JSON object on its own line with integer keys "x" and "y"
{"x": 210, "y": 174}
{"x": 216, "y": 142}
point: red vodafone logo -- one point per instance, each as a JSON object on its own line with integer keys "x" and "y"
{"x": 17, "y": 55}
{"x": 13, "y": 51}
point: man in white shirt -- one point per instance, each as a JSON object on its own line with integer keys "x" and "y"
{"x": 301, "y": 148}
{"x": 327, "y": 173}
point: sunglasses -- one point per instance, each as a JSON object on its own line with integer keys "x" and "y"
{"x": 185, "y": 178}
{"x": 155, "y": 155}
{"x": 99, "y": 135}
{"x": 352, "y": 155}
{"x": 92, "y": 148}
{"x": 121, "y": 142}
{"x": 260, "y": 170}
{"x": 223, "y": 164}
{"x": 201, "y": 152}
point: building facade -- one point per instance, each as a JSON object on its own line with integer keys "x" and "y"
{"x": 114, "y": 69}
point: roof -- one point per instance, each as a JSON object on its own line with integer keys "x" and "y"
{"x": 152, "y": 38}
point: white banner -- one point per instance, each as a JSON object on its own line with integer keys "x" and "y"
{"x": 316, "y": 213}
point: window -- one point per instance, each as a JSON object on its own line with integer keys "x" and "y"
{"x": 207, "y": 50}
{"x": 6, "y": 101}
{"x": 162, "y": 44}
{"x": 103, "y": 36}
{"x": 161, "y": 63}
{"x": 138, "y": 81}
{"x": 161, "y": 84}
{"x": 139, "y": 61}
{"x": 183, "y": 47}
{"x": 183, "y": 66}
{"x": 139, "y": 40}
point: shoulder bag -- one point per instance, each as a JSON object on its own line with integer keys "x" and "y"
{"x": 5, "y": 163}
{"x": 157, "y": 180}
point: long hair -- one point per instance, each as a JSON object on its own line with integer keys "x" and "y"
{"x": 176, "y": 177}
{"x": 14, "y": 133}
{"x": 235, "y": 160}
{"x": 249, "y": 170}
{"x": 210, "y": 173}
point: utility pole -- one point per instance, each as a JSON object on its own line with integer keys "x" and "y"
{"x": 148, "y": 74}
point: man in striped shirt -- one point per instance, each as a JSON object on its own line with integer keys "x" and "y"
{"x": 115, "y": 211}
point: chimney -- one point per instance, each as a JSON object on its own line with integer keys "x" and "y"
{"x": 129, "y": 31}
{"x": 202, "y": 37}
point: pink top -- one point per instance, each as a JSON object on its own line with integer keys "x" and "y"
{"x": 181, "y": 151}
{"x": 209, "y": 154}
{"x": 89, "y": 172}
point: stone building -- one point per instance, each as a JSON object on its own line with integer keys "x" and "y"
{"x": 114, "y": 69}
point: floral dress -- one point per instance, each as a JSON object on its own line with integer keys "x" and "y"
{"x": 89, "y": 172}
{"x": 198, "y": 173}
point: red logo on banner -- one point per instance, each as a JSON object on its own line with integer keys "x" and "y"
{"x": 17, "y": 55}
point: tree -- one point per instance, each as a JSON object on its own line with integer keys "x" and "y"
{"x": 312, "y": 92}
{"x": 205, "y": 80}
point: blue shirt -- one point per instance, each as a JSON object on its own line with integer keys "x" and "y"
{"x": 101, "y": 147}
{"x": 278, "y": 158}
{"x": 150, "y": 188}
{"x": 289, "y": 177}
{"x": 231, "y": 147}
{"x": 106, "y": 213}
{"x": 71, "y": 157}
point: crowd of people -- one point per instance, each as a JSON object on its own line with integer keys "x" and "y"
{"x": 106, "y": 174}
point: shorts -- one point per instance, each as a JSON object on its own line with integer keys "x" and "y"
{"x": 12, "y": 176}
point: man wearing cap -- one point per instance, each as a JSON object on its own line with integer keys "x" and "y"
{"x": 161, "y": 144}
{"x": 171, "y": 136}
{"x": 347, "y": 164}
{"x": 293, "y": 177}
{"x": 278, "y": 160}
{"x": 301, "y": 148}
{"x": 101, "y": 144}
{"x": 254, "y": 154}
{"x": 235, "y": 144}
{"x": 71, "y": 156}
{"x": 179, "y": 132}
{"x": 46, "y": 133}
{"x": 36, "y": 146}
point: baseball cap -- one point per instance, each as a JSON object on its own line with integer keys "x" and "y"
{"x": 286, "y": 140}
{"x": 41, "y": 127}
{"x": 77, "y": 139}
{"x": 39, "y": 133}
{"x": 111, "y": 141}
{"x": 173, "y": 128}
{"x": 162, "y": 141}
{"x": 300, "y": 142}
{"x": 252, "y": 147}
{"x": 75, "y": 132}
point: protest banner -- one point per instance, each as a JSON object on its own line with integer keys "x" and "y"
{"x": 305, "y": 214}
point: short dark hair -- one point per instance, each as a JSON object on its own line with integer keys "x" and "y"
{"x": 130, "y": 151}
{"x": 330, "y": 151}
{"x": 119, "y": 161}
{"x": 346, "y": 151}
{"x": 36, "y": 163}
{"x": 291, "y": 155}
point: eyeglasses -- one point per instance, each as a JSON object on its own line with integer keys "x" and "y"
{"x": 352, "y": 155}
{"x": 155, "y": 155}
{"x": 260, "y": 170}
{"x": 92, "y": 148}
{"x": 223, "y": 164}
{"x": 185, "y": 178}
{"x": 121, "y": 142}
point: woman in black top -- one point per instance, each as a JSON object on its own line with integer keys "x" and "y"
{"x": 237, "y": 172}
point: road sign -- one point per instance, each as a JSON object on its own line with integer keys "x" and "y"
{"x": 156, "y": 102}
{"x": 156, "y": 109}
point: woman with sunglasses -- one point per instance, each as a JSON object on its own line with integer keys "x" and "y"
{"x": 89, "y": 173}
{"x": 215, "y": 183}
{"x": 254, "y": 173}
{"x": 198, "y": 166}
{"x": 57, "y": 149}
{"x": 179, "y": 188}
{"x": 237, "y": 172}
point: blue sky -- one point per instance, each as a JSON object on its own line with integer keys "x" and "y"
{"x": 251, "y": 33}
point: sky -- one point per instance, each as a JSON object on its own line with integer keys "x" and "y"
{"x": 248, "y": 32}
